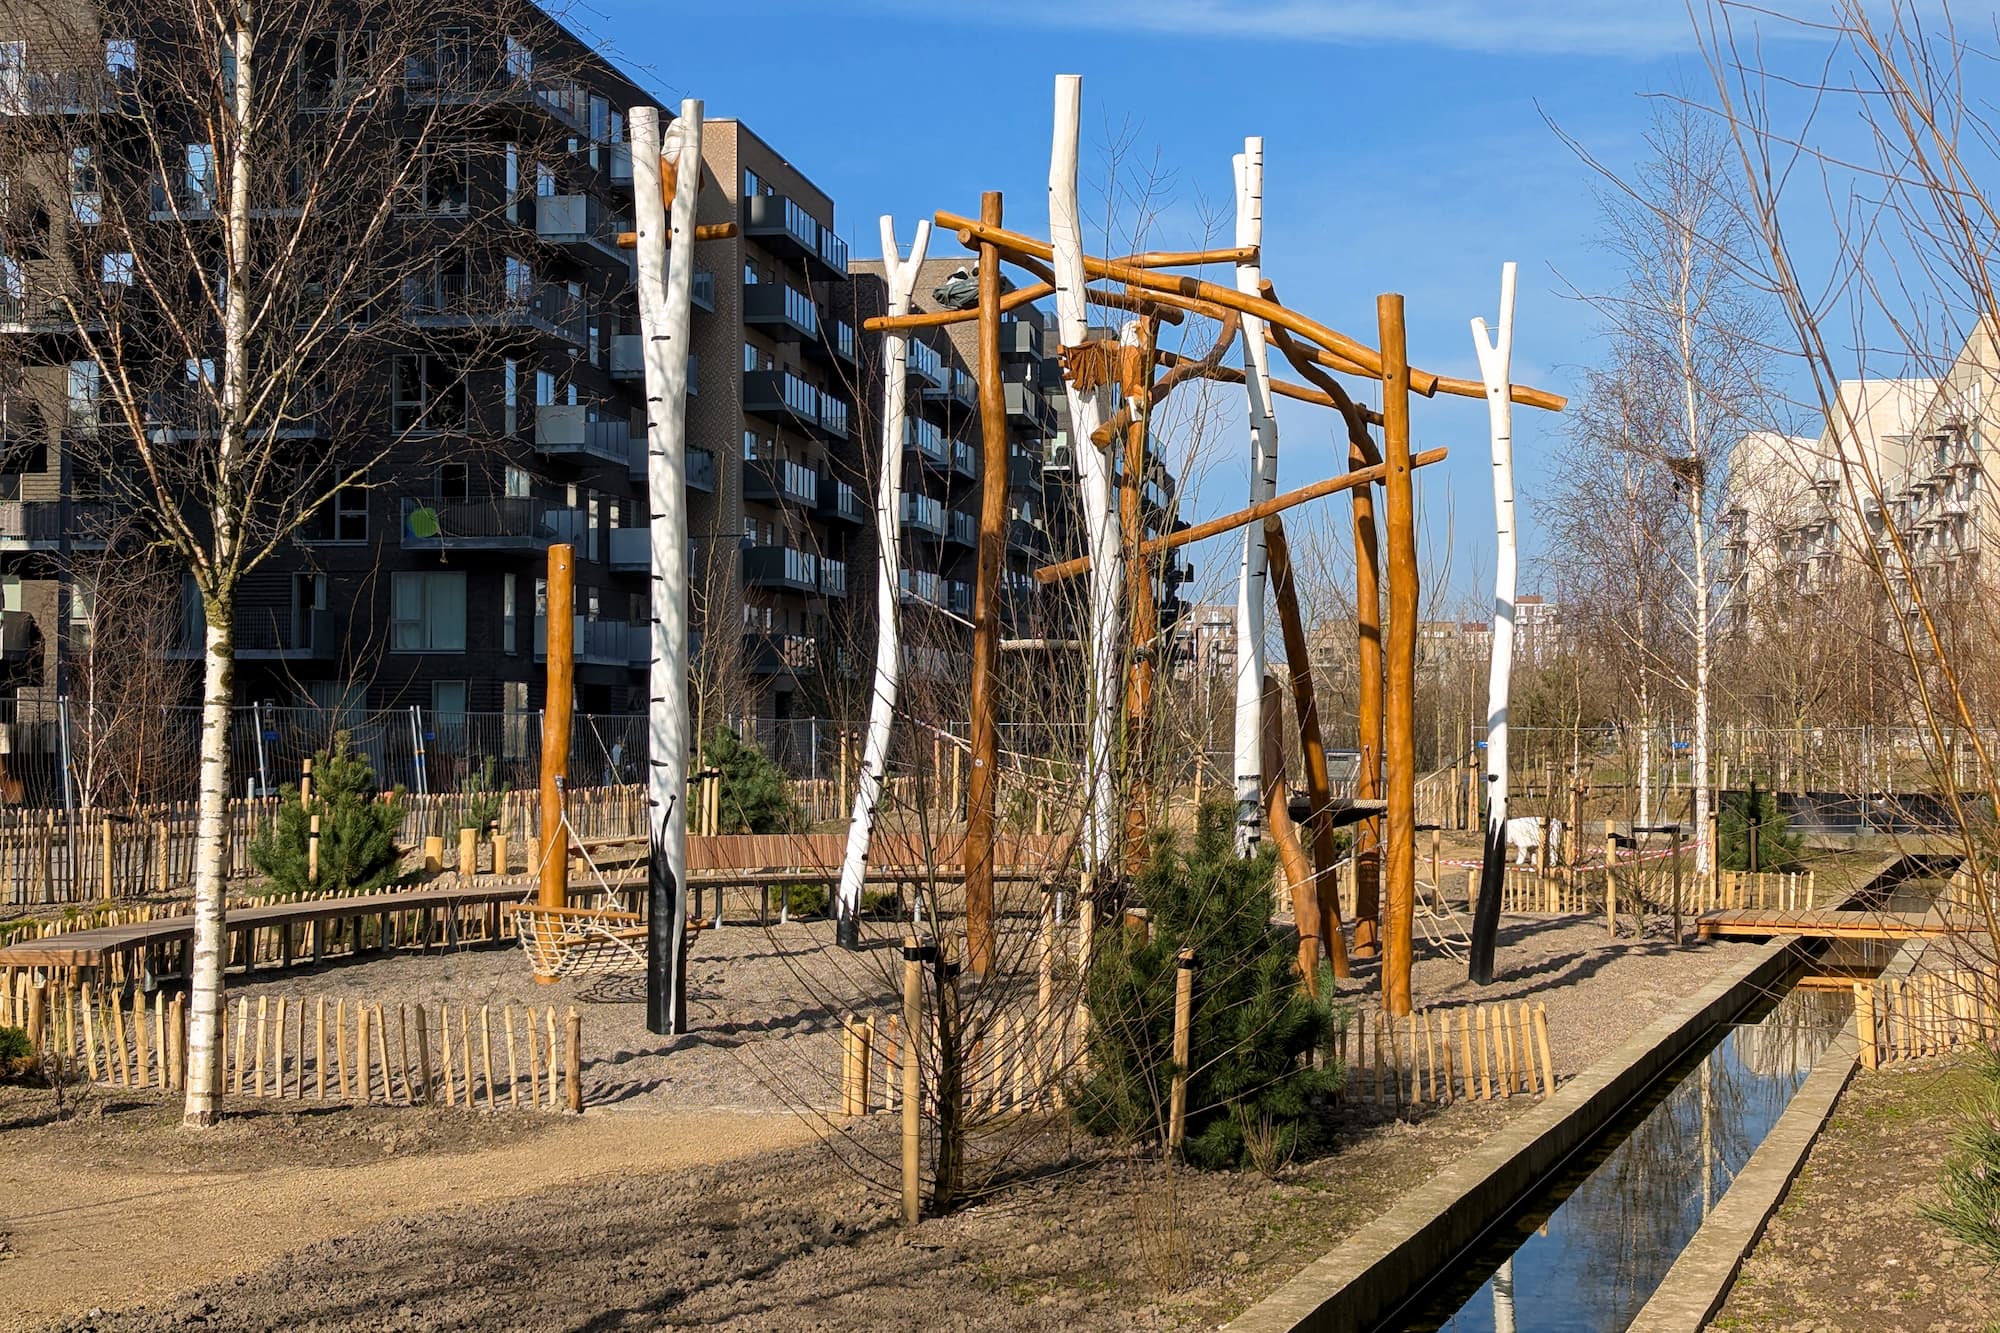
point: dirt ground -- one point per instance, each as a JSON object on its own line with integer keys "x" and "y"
{"x": 692, "y": 1191}
{"x": 1849, "y": 1249}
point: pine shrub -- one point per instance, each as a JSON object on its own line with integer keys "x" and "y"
{"x": 756, "y": 796}
{"x": 357, "y": 830}
{"x": 1970, "y": 1207}
{"x": 1777, "y": 846}
{"x": 1253, "y": 1091}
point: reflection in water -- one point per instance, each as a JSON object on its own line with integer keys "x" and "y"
{"x": 1588, "y": 1254}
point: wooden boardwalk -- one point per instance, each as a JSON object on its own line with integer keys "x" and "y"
{"x": 1851, "y": 924}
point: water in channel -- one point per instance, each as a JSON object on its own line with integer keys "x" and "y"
{"x": 1588, "y": 1251}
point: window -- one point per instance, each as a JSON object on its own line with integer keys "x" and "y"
{"x": 516, "y": 483}
{"x": 750, "y": 277}
{"x": 545, "y": 388}
{"x": 454, "y": 57}
{"x": 510, "y": 396}
{"x": 448, "y": 703}
{"x": 83, "y": 396}
{"x": 427, "y": 612}
{"x": 201, "y": 371}
{"x": 348, "y": 514}
{"x": 117, "y": 269}
{"x": 600, "y": 125}
{"x": 447, "y": 180}
{"x": 121, "y": 58}
{"x": 515, "y": 719}
{"x": 198, "y": 184}
{"x": 10, "y": 592}
{"x": 545, "y": 180}
{"x": 13, "y": 77}
{"x": 511, "y": 173}
{"x": 508, "y": 614}
{"x": 426, "y": 394}
{"x": 11, "y": 285}
{"x": 454, "y": 483}
{"x": 520, "y": 61}
{"x": 520, "y": 281}
{"x": 85, "y": 203}
{"x": 754, "y": 184}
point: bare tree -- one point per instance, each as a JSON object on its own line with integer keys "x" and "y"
{"x": 244, "y": 214}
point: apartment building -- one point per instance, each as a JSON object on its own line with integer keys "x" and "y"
{"x": 491, "y": 406}
{"x": 773, "y": 516}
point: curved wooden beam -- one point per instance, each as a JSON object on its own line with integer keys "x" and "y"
{"x": 1277, "y": 504}
{"x": 1350, "y": 355}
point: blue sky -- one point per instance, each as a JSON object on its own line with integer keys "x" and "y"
{"x": 1405, "y": 150}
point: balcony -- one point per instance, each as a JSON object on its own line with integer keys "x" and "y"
{"x": 621, "y": 163}
{"x": 840, "y": 503}
{"x": 83, "y": 92}
{"x": 630, "y": 551}
{"x": 963, "y": 529}
{"x": 832, "y": 417}
{"x": 44, "y": 312}
{"x": 782, "y": 396}
{"x": 955, "y": 386}
{"x": 564, "y": 430}
{"x": 579, "y": 220}
{"x": 958, "y": 597}
{"x": 627, "y": 362}
{"x": 833, "y": 578}
{"x": 612, "y": 643}
{"x": 17, "y": 636}
{"x": 285, "y": 635}
{"x": 463, "y": 78}
{"x": 38, "y": 525}
{"x": 1024, "y": 472}
{"x": 925, "y": 366}
{"x": 782, "y": 311}
{"x": 784, "y": 227}
{"x": 926, "y": 440}
{"x": 923, "y": 514}
{"x": 1026, "y": 407}
{"x": 1024, "y": 535}
{"x": 780, "y": 654}
{"x": 921, "y": 585}
{"x": 457, "y": 301}
{"x": 1018, "y": 338}
{"x": 700, "y": 465}
{"x": 783, "y": 568}
{"x": 965, "y": 460}
{"x": 780, "y": 482}
{"x": 501, "y": 523}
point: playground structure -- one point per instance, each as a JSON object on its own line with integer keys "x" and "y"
{"x": 1119, "y": 652}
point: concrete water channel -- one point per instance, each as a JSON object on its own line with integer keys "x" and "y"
{"x": 1572, "y": 1219}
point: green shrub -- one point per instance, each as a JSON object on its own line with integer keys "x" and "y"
{"x": 1253, "y": 1093}
{"x": 357, "y": 830}
{"x": 14, "y": 1046}
{"x": 881, "y": 902}
{"x": 803, "y": 900}
{"x": 756, "y": 796}
{"x": 1970, "y": 1207}
{"x": 482, "y": 792}
{"x": 1777, "y": 846}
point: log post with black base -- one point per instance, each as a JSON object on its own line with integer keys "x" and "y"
{"x": 983, "y": 733}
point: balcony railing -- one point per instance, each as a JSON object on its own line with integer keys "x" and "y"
{"x": 958, "y": 597}
{"x": 39, "y": 525}
{"x": 782, "y": 567}
{"x": 779, "y": 393}
{"x": 1027, "y": 536}
{"x": 780, "y": 481}
{"x": 841, "y": 502}
{"x": 700, "y": 465}
{"x": 55, "y": 92}
{"x": 921, "y": 584}
{"x": 833, "y": 578}
{"x": 285, "y": 635}
{"x": 1018, "y": 338}
{"x": 566, "y": 430}
{"x": 458, "y": 301}
{"x": 964, "y": 529}
{"x": 925, "y": 437}
{"x": 464, "y": 79}
{"x": 780, "y": 654}
{"x": 500, "y": 523}
{"x": 923, "y": 513}
{"x": 925, "y": 365}
{"x": 578, "y": 219}
{"x": 614, "y": 643}
{"x": 783, "y": 225}
{"x": 782, "y": 310}
{"x": 965, "y": 460}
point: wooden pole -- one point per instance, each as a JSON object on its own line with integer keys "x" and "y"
{"x": 1368, "y": 709}
{"x": 914, "y": 957}
{"x": 1312, "y": 745}
{"x": 1291, "y": 856}
{"x": 1400, "y": 665}
{"x": 572, "y": 1064}
{"x": 1137, "y": 344}
{"x": 983, "y": 789}
{"x": 1183, "y": 1018}
{"x": 556, "y": 707}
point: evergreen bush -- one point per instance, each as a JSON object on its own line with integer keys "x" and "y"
{"x": 1777, "y": 846}
{"x": 1253, "y": 1091}
{"x": 482, "y": 792}
{"x": 1970, "y": 1208}
{"x": 756, "y": 796}
{"x": 357, "y": 830}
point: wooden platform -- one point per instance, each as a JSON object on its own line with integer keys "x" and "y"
{"x": 94, "y": 946}
{"x": 1747, "y": 923}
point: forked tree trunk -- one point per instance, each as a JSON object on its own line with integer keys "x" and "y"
{"x": 1087, "y": 412}
{"x": 203, "y": 1106}
{"x": 1495, "y": 368}
{"x": 901, "y": 275}
{"x": 1253, "y": 574}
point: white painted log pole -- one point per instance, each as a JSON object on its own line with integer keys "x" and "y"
{"x": 1252, "y": 577}
{"x": 1088, "y": 411}
{"x": 1495, "y": 369}
{"x": 665, "y": 316}
{"x": 901, "y": 275}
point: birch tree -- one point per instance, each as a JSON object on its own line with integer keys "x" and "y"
{"x": 244, "y": 213}
{"x": 1686, "y": 322}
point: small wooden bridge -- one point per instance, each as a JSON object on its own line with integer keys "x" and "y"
{"x": 1834, "y": 924}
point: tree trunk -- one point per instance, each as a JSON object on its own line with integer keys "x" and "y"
{"x": 203, "y": 1107}
{"x": 1495, "y": 365}
{"x": 1698, "y": 769}
{"x": 1252, "y": 575}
